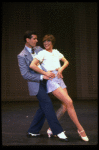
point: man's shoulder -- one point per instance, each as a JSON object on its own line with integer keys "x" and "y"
{"x": 22, "y": 53}
{"x": 38, "y": 49}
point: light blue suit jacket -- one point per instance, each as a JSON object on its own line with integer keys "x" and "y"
{"x": 32, "y": 77}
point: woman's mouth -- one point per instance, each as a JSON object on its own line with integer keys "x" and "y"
{"x": 46, "y": 45}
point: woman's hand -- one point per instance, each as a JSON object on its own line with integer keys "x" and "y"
{"x": 59, "y": 74}
{"x": 60, "y": 70}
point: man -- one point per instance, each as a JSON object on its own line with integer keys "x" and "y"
{"x": 37, "y": 87}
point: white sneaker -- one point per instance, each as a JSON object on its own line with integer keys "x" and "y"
{"x": 32, "y": 135}
{"x": 62, "y": 135}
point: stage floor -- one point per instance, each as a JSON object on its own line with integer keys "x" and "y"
{"x": 17, "y": 117}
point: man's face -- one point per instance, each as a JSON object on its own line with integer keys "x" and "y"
{"x": 32, "y": 42}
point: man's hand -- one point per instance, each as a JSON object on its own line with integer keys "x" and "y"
{"x": 50, "y": 74}
{"x": 46, "y": 78}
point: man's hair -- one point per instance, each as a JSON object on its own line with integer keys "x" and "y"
{"x": 49, "y": 37}
{"x": 28, "y": 34}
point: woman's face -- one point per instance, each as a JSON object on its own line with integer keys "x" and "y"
{"x": 48, "y": 45}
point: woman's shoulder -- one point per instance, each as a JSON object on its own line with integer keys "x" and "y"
{"x": 42, "y": 51}
{"x": 55, "y": 50}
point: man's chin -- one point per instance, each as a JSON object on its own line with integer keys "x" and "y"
{"x": 34, "y": 46}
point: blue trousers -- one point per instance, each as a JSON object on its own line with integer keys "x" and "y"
{"x": 45, "y": 110}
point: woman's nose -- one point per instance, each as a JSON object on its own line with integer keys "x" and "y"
{"x": 46, "y": 42}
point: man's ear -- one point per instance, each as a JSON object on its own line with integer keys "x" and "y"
{"x": 27, "y": 40}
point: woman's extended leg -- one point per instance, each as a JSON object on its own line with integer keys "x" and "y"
{"x": 62, "y": 95}
{"x": 60, "y": 112}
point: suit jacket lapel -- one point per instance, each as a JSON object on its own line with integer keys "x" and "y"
{"x": 28, "y": 55}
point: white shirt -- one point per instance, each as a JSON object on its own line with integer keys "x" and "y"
{"x": 50, "y": 60}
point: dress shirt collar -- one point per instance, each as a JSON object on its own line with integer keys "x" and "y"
{"x": 28, "y": 48}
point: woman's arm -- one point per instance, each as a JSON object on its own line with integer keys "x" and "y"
{"x": 60, "y": 70}
{"x": 66, "y": 63}
{"x": 34, "y": 66}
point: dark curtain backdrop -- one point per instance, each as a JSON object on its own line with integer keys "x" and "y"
{"x": 74, "y": 26}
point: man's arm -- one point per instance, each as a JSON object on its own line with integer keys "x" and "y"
{"x": 25, "y": 71}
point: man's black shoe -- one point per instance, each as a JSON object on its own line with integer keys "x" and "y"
{"x": 33, "y": 135}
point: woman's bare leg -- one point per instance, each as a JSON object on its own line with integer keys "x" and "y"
{"x": 60, "y": 112}
{"x": 62, "y": 95}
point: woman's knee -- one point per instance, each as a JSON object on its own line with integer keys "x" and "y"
{"x": 70, "y": 103}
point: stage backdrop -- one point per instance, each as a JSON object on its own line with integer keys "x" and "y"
{"x": 74, "y": 26}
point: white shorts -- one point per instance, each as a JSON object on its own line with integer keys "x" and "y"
{"x": 55, "y": 83}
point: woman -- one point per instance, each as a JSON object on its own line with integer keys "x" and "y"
{"x": 49, "y": 59}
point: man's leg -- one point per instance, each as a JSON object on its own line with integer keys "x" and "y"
{"x": 37, "y": 122}
{"x": 46, "y": 110}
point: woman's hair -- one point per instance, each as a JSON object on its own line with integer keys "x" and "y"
{"x": 49, "y": 37}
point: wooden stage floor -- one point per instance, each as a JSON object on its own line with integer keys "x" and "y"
{"x": 17, "y": 116}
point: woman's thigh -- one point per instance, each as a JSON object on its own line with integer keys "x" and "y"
{"x": 62, "y": 95}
